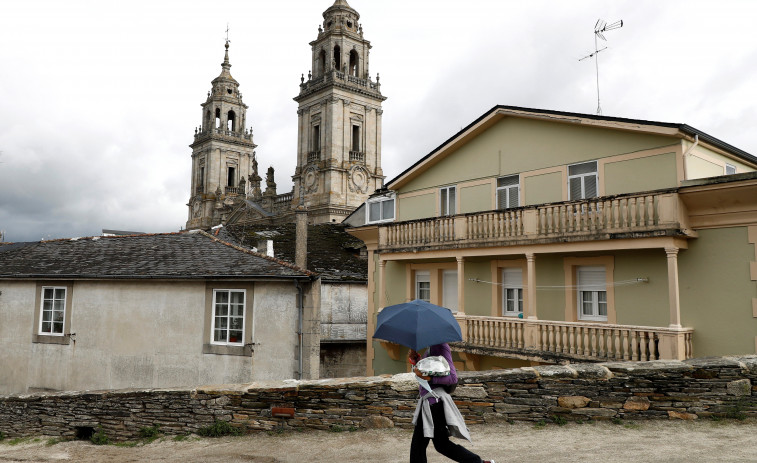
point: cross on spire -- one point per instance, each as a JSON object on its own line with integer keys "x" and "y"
{"x": 227, "y": 32}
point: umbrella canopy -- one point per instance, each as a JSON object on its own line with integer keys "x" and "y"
{"x": 417, "y": 324}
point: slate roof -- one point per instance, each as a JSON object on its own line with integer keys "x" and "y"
{"x": 332, "y": 252}
{"x": 187, "y": 255}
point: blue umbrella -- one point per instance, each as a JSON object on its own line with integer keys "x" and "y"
{"x": 417, "y": 324}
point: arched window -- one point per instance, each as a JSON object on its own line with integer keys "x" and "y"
{"x": 321, "y": 63}
{"x": 337, "y": 58}
{"x": 218, "y": 118}
{"x": 207, "y": 122}
{"x": 354, "y": 62}
{"x": 231, "y": 121}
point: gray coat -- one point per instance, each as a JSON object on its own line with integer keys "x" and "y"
{"x": 455, "y": 422}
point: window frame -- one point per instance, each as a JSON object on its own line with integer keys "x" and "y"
{"x": 519, "y": 291}
{"x": 594, "y": 174}
{"x": 380, "y": 200}
{"x": 732, "y": 167}
{"x": 245, "y": 346}
{"x": 228, "y": 317}
{"x": 571, "y": 265}
{"x": 444, "y": 196}
{"x": 582, "y": 289}
{"x": 507, "y": 189}
{"x": 426, "y": 274}
{"x": 38, "y": 336}
{"x": 52, "y": 321}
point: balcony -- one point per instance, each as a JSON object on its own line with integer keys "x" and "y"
{"x": 658, "y": 213}
{"x": 554, "y": 341}
{"x": 314, "y": 156}
{"x": 357, "y": 156}
{"x": 233, "y": 190}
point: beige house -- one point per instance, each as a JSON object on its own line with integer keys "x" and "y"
{"x": 149, "y": 311}
{"x": 558, "y": 236}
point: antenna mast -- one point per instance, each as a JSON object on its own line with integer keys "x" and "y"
{"x": 600, "y": 27}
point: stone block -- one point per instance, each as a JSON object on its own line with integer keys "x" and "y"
{"x": 636, "y": 403}
{"x": 376, "y": 422}
{"x": 676, "y": 415}
{"x": 741, "y": 387}
{"x": 469, "y": 392}
{"x": 595, "y": 412}
{"x": 510, "y": 408}
{"x": 573, "y": 401}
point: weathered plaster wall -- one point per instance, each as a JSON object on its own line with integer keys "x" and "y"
{"x": 626, "y": 390}
{"x": 344, "y": 309}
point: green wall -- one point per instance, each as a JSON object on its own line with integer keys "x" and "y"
{"x": 550, "y": 302}
{"x": 417, "y": 207}
{"x": 475, "y": 198}
{"x": 644, "y": 304}
{"x": 478, "y": 296}
{"x": 644, "y": 174}
{"x": 515, "y": 145}
{"x": 540, "y": 189}
{"x": 716, "y": 292}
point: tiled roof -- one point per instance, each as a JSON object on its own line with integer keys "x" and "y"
{"x": 332, "y": 252}
{"x": 172, "y": 255}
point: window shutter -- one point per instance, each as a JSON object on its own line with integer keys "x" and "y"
{"x": 590, "y": 186}
{"x": 591, "y": 279}
{"x": 452, "y": 201}
{"x": 449, "y": 290}
{"x": 575, "y": 188}
{"x": 502, "y": 198}
{"x": 513, "y": 277}
{"x": 443, "y": 194}
{"x": 514, "y": 193}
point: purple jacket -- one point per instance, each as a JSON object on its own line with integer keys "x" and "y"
{"x": 444, "y": 351}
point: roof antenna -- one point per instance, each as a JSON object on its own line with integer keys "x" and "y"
{"x": 600, "y": 27}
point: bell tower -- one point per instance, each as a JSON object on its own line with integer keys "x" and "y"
{"x": 222, "y": 153}
{"x": 339, "y": 121}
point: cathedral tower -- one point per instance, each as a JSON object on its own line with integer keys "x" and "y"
{"x": 222, "y": 153}
{"x": 339, "y": 121}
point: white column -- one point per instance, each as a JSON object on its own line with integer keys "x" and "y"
{"x": 531, "y": 287}
{"x": 673, "y": 291}
{"x": 461, "y": 285}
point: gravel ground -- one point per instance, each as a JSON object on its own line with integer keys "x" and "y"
{"x": 658, "y": 441}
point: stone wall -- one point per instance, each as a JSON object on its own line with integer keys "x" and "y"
{"x": 692, "y": 389}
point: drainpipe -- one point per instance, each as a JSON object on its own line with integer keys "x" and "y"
{"x": 687, "y": 154}
{"x": 300, "y": 315}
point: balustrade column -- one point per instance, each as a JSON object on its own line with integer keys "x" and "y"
{"x": 673, "y": 290}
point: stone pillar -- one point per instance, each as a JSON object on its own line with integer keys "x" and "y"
{"x": 531, "y": 287}
{"x": 301, "y": 237}
{"x": 382, "y": 284}
{"x": 461, "y": 285}
{"x": 674, "y": 301}
{"x": 311, "y": 330}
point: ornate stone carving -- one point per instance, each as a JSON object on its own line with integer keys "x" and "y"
{"x": 310, "y": 179}
{"x": 358, "y": 179}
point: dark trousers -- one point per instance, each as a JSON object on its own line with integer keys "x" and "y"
{"x": 442, "y": 444}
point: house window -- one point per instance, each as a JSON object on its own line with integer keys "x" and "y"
{"x": 591, "y": 290}
{"x": 355, "y": 138}
{"x": 53, "y": 310}
{"x": 447, "y": 195}
{"x": 449, "y": 290}
{"x": 730, "y": 169}
{"x": 512, "y": 292}
{"x": 316, "y": 138}
{"x": 582, "y": 180}
{"x": 228, "y": 317}
{"x": 231, "y": 176}
{"x": 380, "y": 210}
{"x": 508, "y": 192}
{"x": 423, "y": 285}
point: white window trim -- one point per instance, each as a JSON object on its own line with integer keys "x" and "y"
{"x": 381, "y": 199}
{"x": 426, "y": 274}
{"x": 732, "y": 168}
{"x": 213, "y": 317}
{"x": 505, "y": 287}
{"x": 41, "y": 311}
{"x": 454, "y": 205}
{"x": 595, "y": 301}
{"x": 594, "y": 174}
{"x": 507, "y": 188}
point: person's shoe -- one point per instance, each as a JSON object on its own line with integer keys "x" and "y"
{"x": 489, "y": 461}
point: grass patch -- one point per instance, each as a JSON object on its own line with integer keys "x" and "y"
{"x": 127, "y": 444}
{"x": 616, "y": 420}
{"x": 352, "y": 429}
{"x": 631, "y": 426}
{"x": 100, "y": 438}
{"x": 2, "y": 436}
{"x": 180, "y": 437}
{"x": 541, "y": 424}
{"x": 559, "y": 420}
{"x": 150, "y": 433}
{"x": 336, "y": 428}
{"x": 55, "y": 440}
{"x": 219, "y": 429}
{"x": 19, "y": 440}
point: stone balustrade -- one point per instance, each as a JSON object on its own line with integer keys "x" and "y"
{"x": 691, "y": 389}
{"x": 593, "y": 218}
{"x": 577, "y": 340}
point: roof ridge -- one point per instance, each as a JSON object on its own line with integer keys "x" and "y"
{"x": 257, "y": 254}
{"x": 100, "y": 237}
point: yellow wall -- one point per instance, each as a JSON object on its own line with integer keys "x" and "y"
{"x": 643, "y": 304}
{"x": 703, "y": 162}
{"x": 417, "y": 207}
{"x": 476, "y": 198}
{"x": 540, "y": 189}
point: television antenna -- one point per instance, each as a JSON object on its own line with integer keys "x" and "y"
{"x": 599, "y": 29}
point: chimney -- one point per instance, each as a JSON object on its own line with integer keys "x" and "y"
{"x": 301, "y": 237}
{"x": 266, "y": 247}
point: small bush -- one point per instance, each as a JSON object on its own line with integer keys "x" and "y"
{"x": 150, "y": 432}
{"x": 180, "y": 437}
{"x": 2, "y": 436}
{"x": 219, "y": 429}
{"x": 100, "y": 438}
{"x": 540, "y": 424}
{"x": 336, "y": 428}
{"x": 616, "y": 420}
{"x": 559, "y": 420}
{"x": 352, "y": 429}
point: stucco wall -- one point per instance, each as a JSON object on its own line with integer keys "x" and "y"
{"x": 641, "y": 174}
{"x": 703, "y": 162}
{"x": 141, "y": 334}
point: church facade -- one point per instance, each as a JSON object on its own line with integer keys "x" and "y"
{"x": 338, "y": 159}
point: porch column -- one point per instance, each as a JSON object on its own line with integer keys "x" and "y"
{"x": 461, "y": 285}
{"x": 531, "y": 287}
{"x": 382, "y": 285}
{"x": 673, "y": 292}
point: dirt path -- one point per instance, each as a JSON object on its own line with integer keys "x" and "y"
{"x": 660, "y": 441}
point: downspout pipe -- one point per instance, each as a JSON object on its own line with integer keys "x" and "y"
{"x": 687, "y": 154}
{"x": 300, "y": 316}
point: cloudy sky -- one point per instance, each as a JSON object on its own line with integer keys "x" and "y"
{"x": 99, "y": 99}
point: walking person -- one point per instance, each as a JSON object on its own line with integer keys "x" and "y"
{"x": 436, "y": 417}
